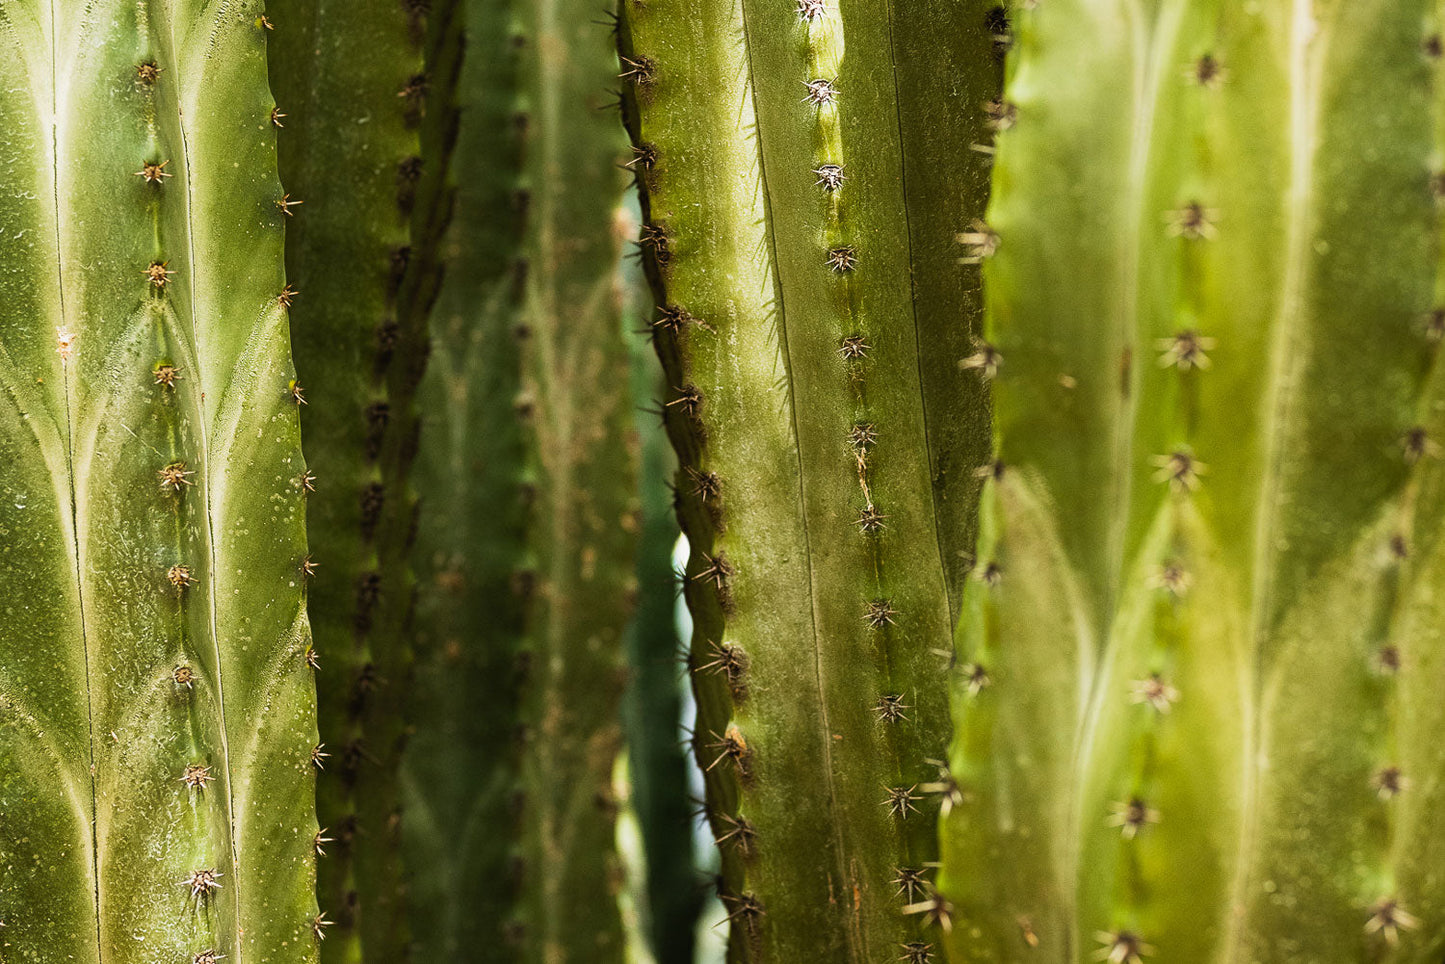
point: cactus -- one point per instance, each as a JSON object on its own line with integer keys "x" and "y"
{"x": 361, "y": 253}
{"x": 159, "y": 712}
{"x": 652, "y": 708}
{"x": 576, "y": 411}
{"x": 462, "y": 766}
{"x": 524, "y": 552}
{"x": 1197, "y": 708}
{"x": 801, "y": 210}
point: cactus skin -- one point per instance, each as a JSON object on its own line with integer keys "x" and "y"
{"x": 462, "y": 765}
{"x": 525, "y": 551}
{"x": 1310, "y": 548}
{"x": 763, "y": 400}
{"x": 99, "y": 828}
{"x": 356, "y": 90}
{"x": 577, "y": 413}
{"x": 652, "y": 708}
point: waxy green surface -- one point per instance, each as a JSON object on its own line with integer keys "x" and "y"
{"x": 345, "y": 78}
{"x": 1260, "y": 175}
{"x": 149, "y": 629}
{"x": 822, "y": 803}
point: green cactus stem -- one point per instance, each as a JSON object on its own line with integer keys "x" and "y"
{"x": 816, "y": 327}
{"x": 462, "y": 766}
{"x": 1194, "y": 710}
{"x": 527, "y": 564}
{"x": 653, "y": 709}
{"x": 577, "y": 412}
{"x": 158, "y": 710}
{"x": 355, "y": 92}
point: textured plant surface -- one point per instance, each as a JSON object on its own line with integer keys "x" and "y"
{"x": 576, "y": 410}
{"x": 528, "y": 522}
{"x": 157, "y": 722}
{"x": 361, "y": 253}
{"x": 815, "y": 326}
{"x": 1198, "y": 702}
{"x": 658, "y": 761}
{"x": 461, "y": 768}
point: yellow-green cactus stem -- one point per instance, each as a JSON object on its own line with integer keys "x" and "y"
{"x": 1197, "y": 712}
{"x": 815, "y": 325}
{"x": 157, "y": 720}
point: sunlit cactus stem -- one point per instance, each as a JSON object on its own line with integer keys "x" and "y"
{"x": 1196, "y": 713}
{"x": 158, "y": 710}
{"x": 800, "y": 212}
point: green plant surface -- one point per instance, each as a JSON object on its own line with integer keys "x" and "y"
{"x": 462, "y": 765}
{"x": 582, "y": 455}
{"x": 1194, "y": 719}
{"x": 527, "y": 484}
{"x": 658, "y": 762}
{"x": 351, "y": 82}
{"x": 156, "y": 765}
{"x": 816, "y": 334}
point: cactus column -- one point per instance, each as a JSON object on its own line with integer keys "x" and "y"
{"x": 815, "y": 325}
{"x": 529, "y": 469}
{"x": 1192, "y": 719}
{"x": 362, "y": 251}
{"x": 461, "y": 767}
{"x": 159, "y": 713}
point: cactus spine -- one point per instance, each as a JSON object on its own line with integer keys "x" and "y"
{"x": 1215, "y": 296}
{"x": 812, "y": 323}
{"x": 159, "y": 710}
